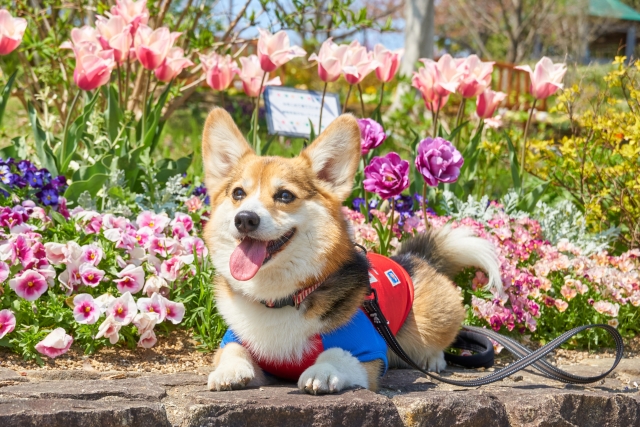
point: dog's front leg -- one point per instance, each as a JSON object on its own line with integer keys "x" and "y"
{"x": 334, "y": 370}
{"x": 234, "y": 369}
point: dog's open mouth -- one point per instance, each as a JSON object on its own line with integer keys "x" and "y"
{"x": 251, "y": 254}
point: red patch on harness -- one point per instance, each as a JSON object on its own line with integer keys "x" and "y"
{"x": 394, "y": 288}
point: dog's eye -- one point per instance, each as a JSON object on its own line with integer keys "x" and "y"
{"x": 284, "y": 196}
{"x": 238, "y": 194}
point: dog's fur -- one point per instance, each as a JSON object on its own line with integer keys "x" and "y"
{"x": 321, "y": 178}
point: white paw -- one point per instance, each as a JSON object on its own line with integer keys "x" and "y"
{"x": 436, "y": 363}
{"x": 231, "y": 375}
{"x": 321, "y": 378}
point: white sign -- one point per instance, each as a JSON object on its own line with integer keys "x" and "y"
{"x": 289, "y": 110}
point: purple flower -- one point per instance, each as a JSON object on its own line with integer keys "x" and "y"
{"x": 34, "y": 179}
{"x": 404, "y": 204}
{"x": 6, "y": 176}
{"x": 358, "y": 202}
{"x": 438, "y": 161}
{"x": 371, "y": 135}
{"x": 48, "y": 196}
{"x": 58, "y": 182}
{"x": 387, "y": 176}
{"x": 25, "y": 166}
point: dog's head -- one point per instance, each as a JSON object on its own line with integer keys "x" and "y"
{"x": 276, "y": 223}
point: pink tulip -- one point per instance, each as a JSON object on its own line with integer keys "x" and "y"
{"x": 115, "y": 34}
{"x": 29, "y": 285}
{"x": 476, "y": 76}
{"x": 389, "y": 62}
{"x": 357, "y": 63}
{"x": 55, "y": 344}
{"x": 110, "y": 328}
{"x": 147, "y": 339}
{"x": 488, "y": 102}
{"x": 218, "y": 69}
{"x": 7, "y": 322}
{"x": 85, "y": 309}
{"x": 173, "y": 65}
{"x": 90, "y": 275}
{"x": 85, "y": 37}
{"x": 11, "y": 32}
{"x": 123, "y": 309}
{"x": 133, "y": 12}
{"x": 93, "y": 69}
{"x": 425, "y": 80}
{"x": 251, "y": 75}
{"x": 275, "y": 50}
{"x": 152, "y": 46}
{"x": 155, "y": 304}
{"x": 175, "y": 311}
{"x": 131, "y": 279}
{"x": 329, "y": 60}
{"x": 546, "y": 79}
{"x": 447, "y": 74}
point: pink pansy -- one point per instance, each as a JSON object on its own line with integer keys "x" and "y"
{"x": 476, "y": 76}
{"x": 147, "y": 339}
{"x": 55, "y": 344}
{"x": 115, "y": 34}
{"x": 604, "y": 307}
{"x": 29, "y": 285}
{"x": 329, "y": 60}
{"x": 93, "y": 69}
{"x": 546, "y": 79}
{"x": 90, "y": 275}
{"x": 131, "y": 279}
{"x": 252, "y": 75}
{"x": 218, "y": 70}
{"x": 109, "y": 329}
{"x": 170, "y": 269}
{"x": 70, "y": 278}
{"x": 156, "y": 284}
{"x": 173, "y": 65}
{"x": 561, "y": 305}
{"x": 162, "y": 246}
{"x": 72, "y": 252}
{"x": 11, "y": 32}
{"x": 92, "y": 254}
{"x": 152, "y": 46}
{"x": 155, "y": 304}
{"x": 175, "y": 311}
{"x": 568, "y": 292}
{"x": 104, "y": 301}
{"x": 194, "y": 204}
{"x": 156, "y": 222}
{"x": 190, "y": 243}
{"x": 275, "y": 50}
{"x": 48, "y": 272}
{"x": 85, "y": 309}
{"x": 133, "y": 12}
{"x": 143, "y": 235}
{"x": 7, "y": 322}
{"x": 4, "y": 271}
{"x": 178, "y": 231}
{"x": 487, "y": 103}
{"x": 389, "y": 62}
{"x": 357, "y": 63}
{"x": 123, "y": 309}
{"x": 145, "y": 322}
{"x": 184, "y": 219}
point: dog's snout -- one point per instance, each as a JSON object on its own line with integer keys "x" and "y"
{"x": 247, "y": 221}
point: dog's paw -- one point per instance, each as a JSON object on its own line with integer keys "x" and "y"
{"x": 436, "y": 362}
{"x": 232, "y": 375}
{"x": 321, "y": 378}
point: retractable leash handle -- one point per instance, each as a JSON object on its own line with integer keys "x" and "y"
{"x": 476, "y": 339}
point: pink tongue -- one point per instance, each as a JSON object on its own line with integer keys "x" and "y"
{"x": 247, "y": 259}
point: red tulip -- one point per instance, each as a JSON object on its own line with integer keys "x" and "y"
{"x": 219, "y": 70}
{"x": 11, "y": 32}
{"x": 275, "y": 50}
{"x": 389, "y": 62}
{"x": 152, "y": 46}
{"x": 546, "y": 79}
{"x": 174, "y": 63}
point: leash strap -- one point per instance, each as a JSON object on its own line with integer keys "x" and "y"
{"x": 477, "y": 339}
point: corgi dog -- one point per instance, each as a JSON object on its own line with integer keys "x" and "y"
{"x": 290, "y": 281}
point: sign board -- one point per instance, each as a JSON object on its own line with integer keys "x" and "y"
{"x": 289, "y": 110}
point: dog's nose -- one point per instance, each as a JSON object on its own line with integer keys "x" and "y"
{"x": 247, "y": 221}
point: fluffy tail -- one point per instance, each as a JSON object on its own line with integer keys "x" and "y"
{"x": 449, "y": 250}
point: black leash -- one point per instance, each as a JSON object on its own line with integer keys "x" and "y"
{"x": 477, "y": 340}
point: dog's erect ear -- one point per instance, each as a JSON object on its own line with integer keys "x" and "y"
{"x": 335, "y": 155}
{"x": 222, "y": 146}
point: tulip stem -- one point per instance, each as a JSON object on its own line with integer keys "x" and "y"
{"x": 66, "y": 124}
{"x": 524, "y": 141}
{"x": 424, "y": 207}
{"x": 435, "y": 119}
{"x": 393, "y": 211}
{"x": 255, "y": 113}
{"x": 381, "y": 95}
{"x": 459, "y": 118}
{"x": 144, "y": 106}
{"x": 324, "y": 91}
{"x": 346, "y": 100}
{"x": 126, "y": 80}
{"x": 361, "y": 100}
{"x": 119, "y": 86}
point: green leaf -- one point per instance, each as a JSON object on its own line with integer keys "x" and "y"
{"x": 6, "y": 93}
{"x": 265, "y": 149}
{"x": 528, "y": 202}
{"x": 113, "y": 113}
{"x": 173, "y": 168}
{"x": 312, "y": 133}
{"x": 57, "y": 217}
{"x": 76, "y": 133}
{"x": 116, "y": 192}
{"x": 515, "y": 168}
{"x": 17, "y": 149}
{"x": 155, "y": 123}
{"x": 92, "y": 185}
{"x": 43, "y": 150}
